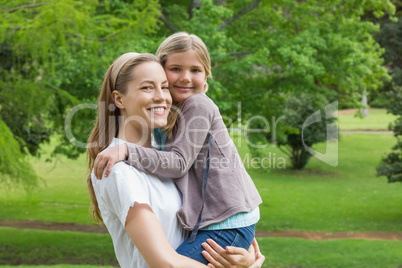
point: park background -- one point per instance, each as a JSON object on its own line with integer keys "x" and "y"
{"x": 270, "y": 59}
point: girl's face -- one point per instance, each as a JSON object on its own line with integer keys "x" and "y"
{"x": 147, "y": 101}
{"x": 186, "y": 75}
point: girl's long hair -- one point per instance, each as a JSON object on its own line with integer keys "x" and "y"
{"x": 108, "y": 115}
{"x": 178, "y": 43}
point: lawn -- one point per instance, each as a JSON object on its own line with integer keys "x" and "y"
{"x": 54, "y": 247}
{"x": 348, "y": 197}
{"x": 378, "y": 119}
{"x": 71, "y": 248}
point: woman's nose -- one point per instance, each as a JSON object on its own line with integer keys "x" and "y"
{"x": 159, "y": 95}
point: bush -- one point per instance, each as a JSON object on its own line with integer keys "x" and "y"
{"x": 391, "y": 165}
{"x": 293, "y": 135}
{"x": 380, "y": 102}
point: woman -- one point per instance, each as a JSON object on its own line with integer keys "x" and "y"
{"x": 138, "y": 209}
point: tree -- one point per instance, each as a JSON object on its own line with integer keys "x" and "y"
{"x": 14, "y": 166}
{"x": 54, "y": 55}
{"x": 290, "y": 47}
{"x": 390, "y": 37}
{"x": 391, "y": 165}
{"x": 295, "y": 137}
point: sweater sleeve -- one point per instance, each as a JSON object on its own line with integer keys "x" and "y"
{"x": 193, "y": 124}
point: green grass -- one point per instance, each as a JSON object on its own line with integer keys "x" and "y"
{"x": 378, "y": 119}
{"x": 50, "y": 248}
{"x": 292, "y": 252}
{"x": 61, "y": 197}
{"x": 56, "y": 266}
{"x": 25, "y": 246}
{"x": 348, "y": 197}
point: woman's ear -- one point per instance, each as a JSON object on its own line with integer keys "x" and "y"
{"x": 117, "y": 99}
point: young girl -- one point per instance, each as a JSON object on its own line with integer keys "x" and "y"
{"x": 220, "y": 201}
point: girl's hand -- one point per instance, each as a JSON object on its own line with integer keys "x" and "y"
{"x": 108, "y": 158}
{"x": 232, "y": 256}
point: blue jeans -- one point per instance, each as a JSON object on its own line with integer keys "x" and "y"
{"x": 240, "y": 237}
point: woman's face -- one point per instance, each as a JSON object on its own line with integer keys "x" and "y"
{"x": 147, "y": 101}
{"x": 186, "y": 75}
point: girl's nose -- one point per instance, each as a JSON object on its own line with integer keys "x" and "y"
{"x": 185, "y": 77}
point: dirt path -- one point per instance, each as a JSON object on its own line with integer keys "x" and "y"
{"x": 397, "y": 236}
{"x": 347, "y": 111}
{"x": 363, "y": 131}
{"x": 33, "y": 224}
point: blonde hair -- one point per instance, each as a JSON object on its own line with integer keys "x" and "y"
{"x": 178, "y": 43}
{"x": 106, "y": 127}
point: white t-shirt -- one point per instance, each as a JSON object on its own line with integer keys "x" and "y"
{"x": 126, "y": 185}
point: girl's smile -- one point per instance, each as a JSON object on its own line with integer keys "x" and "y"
{"x": 186, "y": 75}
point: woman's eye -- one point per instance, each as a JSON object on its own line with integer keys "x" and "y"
{"x": 165, "y": 88}
{"x": 146, "y": 87}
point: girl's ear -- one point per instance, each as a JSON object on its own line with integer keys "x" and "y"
{"x": 205, "y": 87}
{"x": 117, "y": 99}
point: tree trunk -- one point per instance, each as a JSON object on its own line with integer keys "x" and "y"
{"x": 364, "y": 109}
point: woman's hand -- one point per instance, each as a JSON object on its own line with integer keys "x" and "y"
{"x": 108, "y": 158}
{"x": 259, "y": 258}
{"x": 233, "y": 256}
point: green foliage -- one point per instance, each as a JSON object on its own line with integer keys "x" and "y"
{"x": 391, "y": 165}
{"x": 309, "y": 46}
{"x": 293, "y": 136}
{"x": 261, "y": 51}
{"x": 14, "y": 167}
{"x": 290, "y": 130}
{"x": 390, "y": 37}
{"x": 53, "y": 57}
{"x": 380, "y": 102}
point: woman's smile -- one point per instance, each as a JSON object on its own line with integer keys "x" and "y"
{"x": 158, "y": 110}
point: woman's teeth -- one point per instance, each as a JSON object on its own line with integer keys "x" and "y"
{"x": 157, "y": 110}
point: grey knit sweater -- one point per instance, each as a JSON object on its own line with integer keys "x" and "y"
{"x": 230, "y": 189}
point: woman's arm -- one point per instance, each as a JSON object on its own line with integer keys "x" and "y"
{"x": 147, "y": 234}
{"x": 193, "y": 126}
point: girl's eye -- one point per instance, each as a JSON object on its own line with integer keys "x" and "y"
{"x": 175, "y": 69}
{"x": 165, "y": 88}
{"x": 196, "y": 71}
